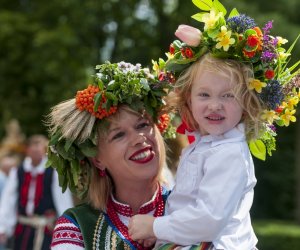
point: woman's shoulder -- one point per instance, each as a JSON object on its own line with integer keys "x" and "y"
{"x": 82, "y": 207}
{"x": 82, "y": 211}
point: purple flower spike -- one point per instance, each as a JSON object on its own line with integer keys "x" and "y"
{"x": 272, "y": 127}
{"x": 267, "y": 27}
{"x": 268, "y": 56}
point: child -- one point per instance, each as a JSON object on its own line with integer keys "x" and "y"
{"x": 213, "y": 193}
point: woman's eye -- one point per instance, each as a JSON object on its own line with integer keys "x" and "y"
{"x": 203, "y": 94}
{"x": 117, "y": 135}
{"x": 143, "y": 125}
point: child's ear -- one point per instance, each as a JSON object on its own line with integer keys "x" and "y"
{"x": 97, "y": 163}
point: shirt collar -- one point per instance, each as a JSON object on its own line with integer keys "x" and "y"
{"x": 28, "y": 167}
{"x": 235, "y": 134}
{"x": 125, "y": 209}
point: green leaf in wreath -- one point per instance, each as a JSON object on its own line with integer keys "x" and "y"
{"x": 68, "y": 144}
{"x": 233, "y": 13}
{"x": 145, "y": 84}
{"x": 97, "y": 100}
{"x": 280, "y": 123}
{"x": 48, "y": 163}
{"x": 60, "y": 147}
{"x": 54, "y": 139}
{"x": 205, "y": 5}
{"x": 111, "y": 96}
{"x": 88, "y": 148}
{"x": 199, "y": 16}
{"x": 258, "y": 149}
{"x": 220, "y": 7}
{"x": 63, "y": 182}
{"x": 75, "y": 166}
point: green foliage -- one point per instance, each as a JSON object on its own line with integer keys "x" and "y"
{"x": 276, "y": 179}
{"x": 281, "y": 235}
{"x": 258, "y": 149}
{"x": 70, "y": 159}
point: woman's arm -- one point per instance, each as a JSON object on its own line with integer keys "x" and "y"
{"x": 66, "y": 235}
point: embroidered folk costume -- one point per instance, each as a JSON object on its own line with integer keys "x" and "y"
{"x": 109, "y": 228}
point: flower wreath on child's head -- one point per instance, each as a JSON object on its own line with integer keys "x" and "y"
{"x": 237, "y": 37}
{"x": 115, "y": 84}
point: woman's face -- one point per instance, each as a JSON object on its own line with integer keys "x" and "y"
{"x": 130, "y": 151}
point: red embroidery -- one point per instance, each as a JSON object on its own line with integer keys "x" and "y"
{"x": 127, "y": 211}
{"x": 112, "y": 212}
{"x": 66, "y": 233}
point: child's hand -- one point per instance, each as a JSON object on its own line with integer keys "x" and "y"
{"x": 149, "y": 242}
{"x": 141, "y": 227}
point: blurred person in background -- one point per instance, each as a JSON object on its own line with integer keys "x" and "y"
{"x": 6, "y": 163}
{"x": 31, "y": 200}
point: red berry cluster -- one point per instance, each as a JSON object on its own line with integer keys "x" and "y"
{"x": 85, "y": 101}
{"x": 187, "y": 52}
{"x": 168, "y": 76}
{"x": 163, "y": 122}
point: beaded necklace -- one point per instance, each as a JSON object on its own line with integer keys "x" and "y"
{"x": 113, "y": 209}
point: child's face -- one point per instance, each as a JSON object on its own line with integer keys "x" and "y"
{"x": 213, "y": 104}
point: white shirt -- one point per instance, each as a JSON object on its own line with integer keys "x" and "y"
{"x": 8, "y": 202}
{"x": 213, "y": 195}
{"x": 3, "y": 178}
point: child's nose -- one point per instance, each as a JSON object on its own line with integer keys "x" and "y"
{"x": 215, "y": 105}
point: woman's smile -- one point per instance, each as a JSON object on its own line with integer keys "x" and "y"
{"x": 143, "y": 156}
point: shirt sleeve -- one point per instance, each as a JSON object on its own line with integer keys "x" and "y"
{"x": 219, "y": 193}
{"x": 66, "y": 235}
{"x": 8, "y": 204}
{"x": 62, "y": 201}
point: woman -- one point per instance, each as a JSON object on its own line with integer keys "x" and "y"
{"x": 104, "y": 144}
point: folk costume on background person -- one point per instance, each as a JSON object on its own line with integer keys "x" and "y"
{"x": 32, "y": 199}
{"x": 107, "y": 145}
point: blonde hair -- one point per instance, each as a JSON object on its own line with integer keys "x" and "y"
{"x": 80, "y": 125}
{"x": 236, "y": 72}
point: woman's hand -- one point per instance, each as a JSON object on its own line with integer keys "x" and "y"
{"x": 141, "y": 227}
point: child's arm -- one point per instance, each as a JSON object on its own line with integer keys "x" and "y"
{"x": 141, "y": 227}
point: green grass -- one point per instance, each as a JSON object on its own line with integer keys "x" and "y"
{"x": 273, "y": 235}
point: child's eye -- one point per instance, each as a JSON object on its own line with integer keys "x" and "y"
{"x": 203, "y": 94}
{"x": 228, "y": 95}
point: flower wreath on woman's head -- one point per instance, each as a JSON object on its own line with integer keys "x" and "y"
{"x": 73, "y": 124}
{"x": 238, "y": 37}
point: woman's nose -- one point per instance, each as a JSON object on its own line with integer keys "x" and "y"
{"x": 138, "y": 138}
